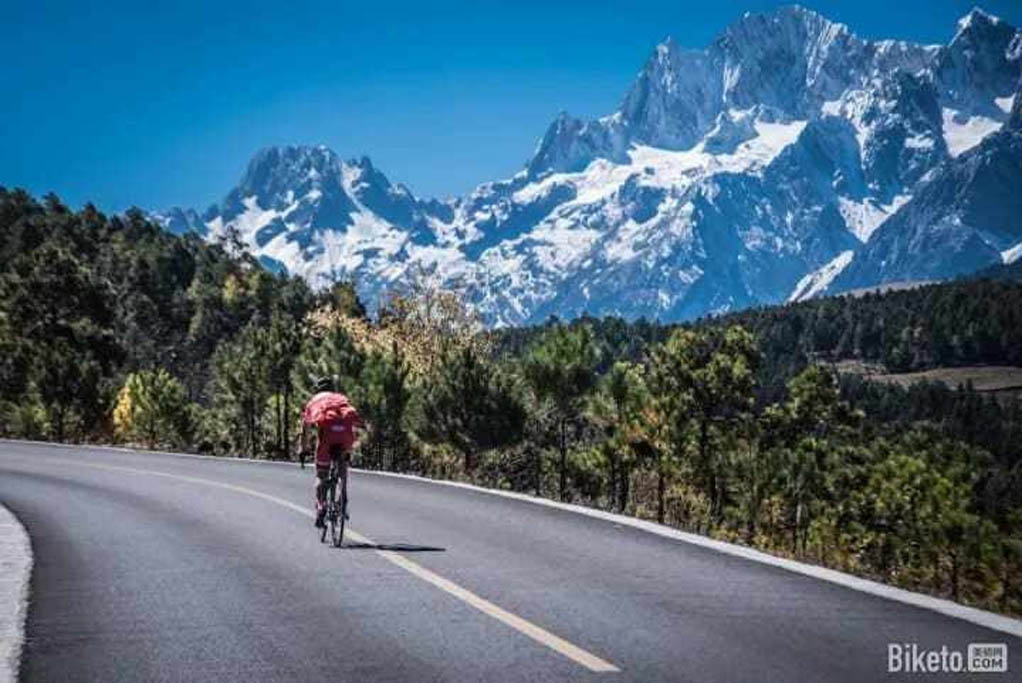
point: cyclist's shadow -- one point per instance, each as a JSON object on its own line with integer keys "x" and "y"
{"x": 395, "y": 547}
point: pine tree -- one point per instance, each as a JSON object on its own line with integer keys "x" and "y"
{"x": 241, "y": 390}
{"x": 151, "y": 406}
{"x": 383, "y": 398}
{"x": 283, "y": 345}
{"x": 703, "y": 383}
{"x": 561, "y": 368}
{"x": 470, "y": 405}
{"x": 616, "y": 409}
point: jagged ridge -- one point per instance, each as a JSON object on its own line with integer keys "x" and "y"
{"x": 727, "y": 177}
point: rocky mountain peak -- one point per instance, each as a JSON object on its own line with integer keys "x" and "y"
{"x": 274, "y": 172}
{"x": 981, "y": 63}
{"x": 976, "y": 25}
{"x": 787, "y": 157}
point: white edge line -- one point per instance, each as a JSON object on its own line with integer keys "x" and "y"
{"x": 16, "y": 551}
{"x": 996, "y": 622}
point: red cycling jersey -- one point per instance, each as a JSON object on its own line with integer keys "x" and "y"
{"x": 336, "y": 421}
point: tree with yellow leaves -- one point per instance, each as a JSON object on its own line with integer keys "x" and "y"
{"x": 151, "y": 406}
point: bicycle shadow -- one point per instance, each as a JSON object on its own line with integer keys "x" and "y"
{"x": 395, "y": 547}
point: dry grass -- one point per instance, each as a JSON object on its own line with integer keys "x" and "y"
{"x": 888, "y": 287}
{"x": 992, "y": 378}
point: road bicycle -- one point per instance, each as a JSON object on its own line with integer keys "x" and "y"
{"x": 336, "y": 510}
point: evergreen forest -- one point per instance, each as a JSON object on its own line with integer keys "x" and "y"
{"x": 740, "y": 427}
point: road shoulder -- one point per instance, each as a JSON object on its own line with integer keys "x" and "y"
{"x": 15, "y": 571}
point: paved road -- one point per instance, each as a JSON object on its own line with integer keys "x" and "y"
{"x": 214, "y": 573}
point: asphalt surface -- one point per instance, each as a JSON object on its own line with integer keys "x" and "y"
{"x": 164, "y": 578}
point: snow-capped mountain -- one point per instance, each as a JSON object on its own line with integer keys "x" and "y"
{"x": 307, "y": 210}
{"x": 780, "y": 162}
{"x": 966, "y": 216}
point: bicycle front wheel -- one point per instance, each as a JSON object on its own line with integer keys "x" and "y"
{"x": 337, "y": 528}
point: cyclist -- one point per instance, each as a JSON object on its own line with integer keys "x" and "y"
{"x": 330, "y": 418}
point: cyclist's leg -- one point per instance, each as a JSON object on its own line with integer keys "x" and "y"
{"x": 337, "y": 458}
{"x": 322, "y": 482}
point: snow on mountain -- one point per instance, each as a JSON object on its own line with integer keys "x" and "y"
{"x": 761, "y": 168}
{"x": 962, "y": 133}
{"x": 1013, "y": 254}
{"x": 864, "y": 217}
{"x": 817, "y": 282}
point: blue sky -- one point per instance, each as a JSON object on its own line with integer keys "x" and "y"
{"x": 128, "y": 104}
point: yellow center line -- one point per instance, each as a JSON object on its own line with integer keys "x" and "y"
{"x": 523, "y": 626}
